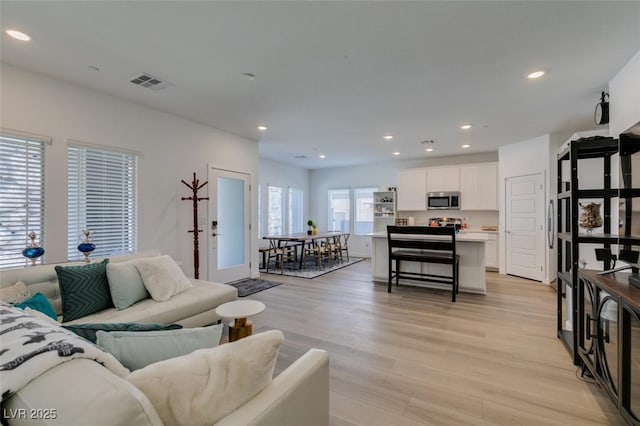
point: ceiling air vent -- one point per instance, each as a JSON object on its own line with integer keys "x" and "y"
{"x": 300, "y": 157}
{"x": 150, "y": 82}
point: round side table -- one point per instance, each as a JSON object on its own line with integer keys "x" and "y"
{"x": 239, "y": 311}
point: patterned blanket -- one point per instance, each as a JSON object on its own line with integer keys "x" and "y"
{"x": 30, "y": 346}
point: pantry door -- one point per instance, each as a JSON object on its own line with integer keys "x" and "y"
{"x": 525, "y": 238}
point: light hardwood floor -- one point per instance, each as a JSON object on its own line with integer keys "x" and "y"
{"x": 414, "y": 358}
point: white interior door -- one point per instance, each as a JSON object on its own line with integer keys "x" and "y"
{"x": 525, "y": 239}
{"x": 229, "y": 233}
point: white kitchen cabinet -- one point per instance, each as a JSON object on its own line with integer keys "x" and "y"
{"x": 491, "y": 251}
{"x": 442, "y": 179}
{"x": 479, "y": 187}
{"x": 490, "y": 247}
{"x": 412, "y": 190}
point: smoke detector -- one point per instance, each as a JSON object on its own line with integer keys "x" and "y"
{"x": 150, "y": 82}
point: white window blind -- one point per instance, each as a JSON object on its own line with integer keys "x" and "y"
{"x": 275, "y": 207}
{"x": 295, "y": 211}
{"x": 102, "y": 199}
{"x": 21, "y": 197}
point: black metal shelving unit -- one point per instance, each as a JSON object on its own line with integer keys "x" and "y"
{"x": 569, "y": 195}
{"x": 604, "y": 308}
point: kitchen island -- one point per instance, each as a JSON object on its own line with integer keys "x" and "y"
{"x": 469, "y": 246}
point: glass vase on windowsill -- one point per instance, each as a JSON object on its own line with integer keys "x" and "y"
{"x": 33, "y": 251}
{"x": 86, "y": 246}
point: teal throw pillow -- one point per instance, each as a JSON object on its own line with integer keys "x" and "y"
{"x": 88, "y": 331}
{"x": 40, "y": 303}
{"x": 136, "y": 349}
{"x": 84, "y": 289}
{"x": 125, "y": 284}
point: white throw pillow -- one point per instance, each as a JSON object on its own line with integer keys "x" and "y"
{"x": 137, "y": 349}
{"x": 16, "y": 293}
{"x": 204, "y": 386}
{"x": 162, "y": 277}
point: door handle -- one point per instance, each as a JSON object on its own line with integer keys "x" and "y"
{"x": 550, "y": 224}
{"x": 214, "y": 234}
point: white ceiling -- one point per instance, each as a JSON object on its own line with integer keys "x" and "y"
{"x": 334, "y": 77}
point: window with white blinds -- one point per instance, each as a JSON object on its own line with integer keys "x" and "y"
{"x": 21, "y": 197}
{"x": 102, "y": 199}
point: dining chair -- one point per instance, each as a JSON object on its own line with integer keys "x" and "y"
{"x": 344, "y": 245}
{"x": 335, "y": 247}
{"x": 319, "y": 249}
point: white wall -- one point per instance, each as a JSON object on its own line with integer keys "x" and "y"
{"x": 286, "y": 176}
{"x": 172, "y": 149}
{"x": 624, "y": 95}
{"x": 381, "y": 175}
{"x": 519, "y": 159}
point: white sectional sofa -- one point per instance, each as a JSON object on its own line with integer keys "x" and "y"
{"x": 83, "y": 392}
{"x": 192, "y": 308}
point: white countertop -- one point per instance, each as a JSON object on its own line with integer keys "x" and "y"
{"x": 469, "y": 230}
{"x": 472, "y": 237}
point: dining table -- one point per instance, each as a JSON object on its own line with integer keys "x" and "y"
{"x": 302, "y": 238}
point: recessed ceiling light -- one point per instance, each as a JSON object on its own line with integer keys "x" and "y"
{"x": 322, "y": 156}
{"x": 388, "y": 137}
{"x": 248, "y": 76}
{"x": 465, "y": 126}
{"x": 428, "y": 149}
{"x": 18, "y": 35}
{"x": 536, "y": 74}
{"x": 466, "y": 145}
{"x": 262, "y": 128}
{"x": 396, "y": 153}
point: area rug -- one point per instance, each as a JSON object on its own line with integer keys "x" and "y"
{"x": 252, "y": 285}
{"x": 309, "y": 268}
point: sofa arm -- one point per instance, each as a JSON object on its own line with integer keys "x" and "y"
{"x": 298, "y": 396}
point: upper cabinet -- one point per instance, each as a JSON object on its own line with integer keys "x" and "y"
{"x": 441, "y": 179}
{"x": 477, "y": 183}
{"x": 412, "y": 190}
{"x": 479, "y": 187}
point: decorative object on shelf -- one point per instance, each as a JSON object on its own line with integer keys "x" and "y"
{"x": 601, "y": 114}
{"x": 86, "y": 246}
{"x": 590, "y": 217}
{"x": 33, "y": 251}
{"x": 195, "y": 186}
{"x": 311, "y": 226}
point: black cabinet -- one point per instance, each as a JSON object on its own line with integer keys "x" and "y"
{"x": 609, "y": 337}
{"x": 630, "y": 401}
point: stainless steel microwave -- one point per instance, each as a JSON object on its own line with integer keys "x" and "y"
{"x": 443, "y": 200}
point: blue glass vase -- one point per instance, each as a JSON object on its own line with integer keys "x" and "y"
{"x": 86, "y": 249}
{"x": 32, "y": 251}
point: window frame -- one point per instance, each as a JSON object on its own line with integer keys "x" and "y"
{"x": 118, "y": 167}
{"x": 33, "y": 197}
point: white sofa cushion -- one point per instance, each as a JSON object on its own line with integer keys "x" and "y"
{"x": 202, "y": 297}
{"x": 82, "y": 392}
{"x": 162, "y": 277}
{"x": 204, "y": 386}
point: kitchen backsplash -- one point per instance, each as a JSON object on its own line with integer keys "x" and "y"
{"x": 475, "y": 219}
